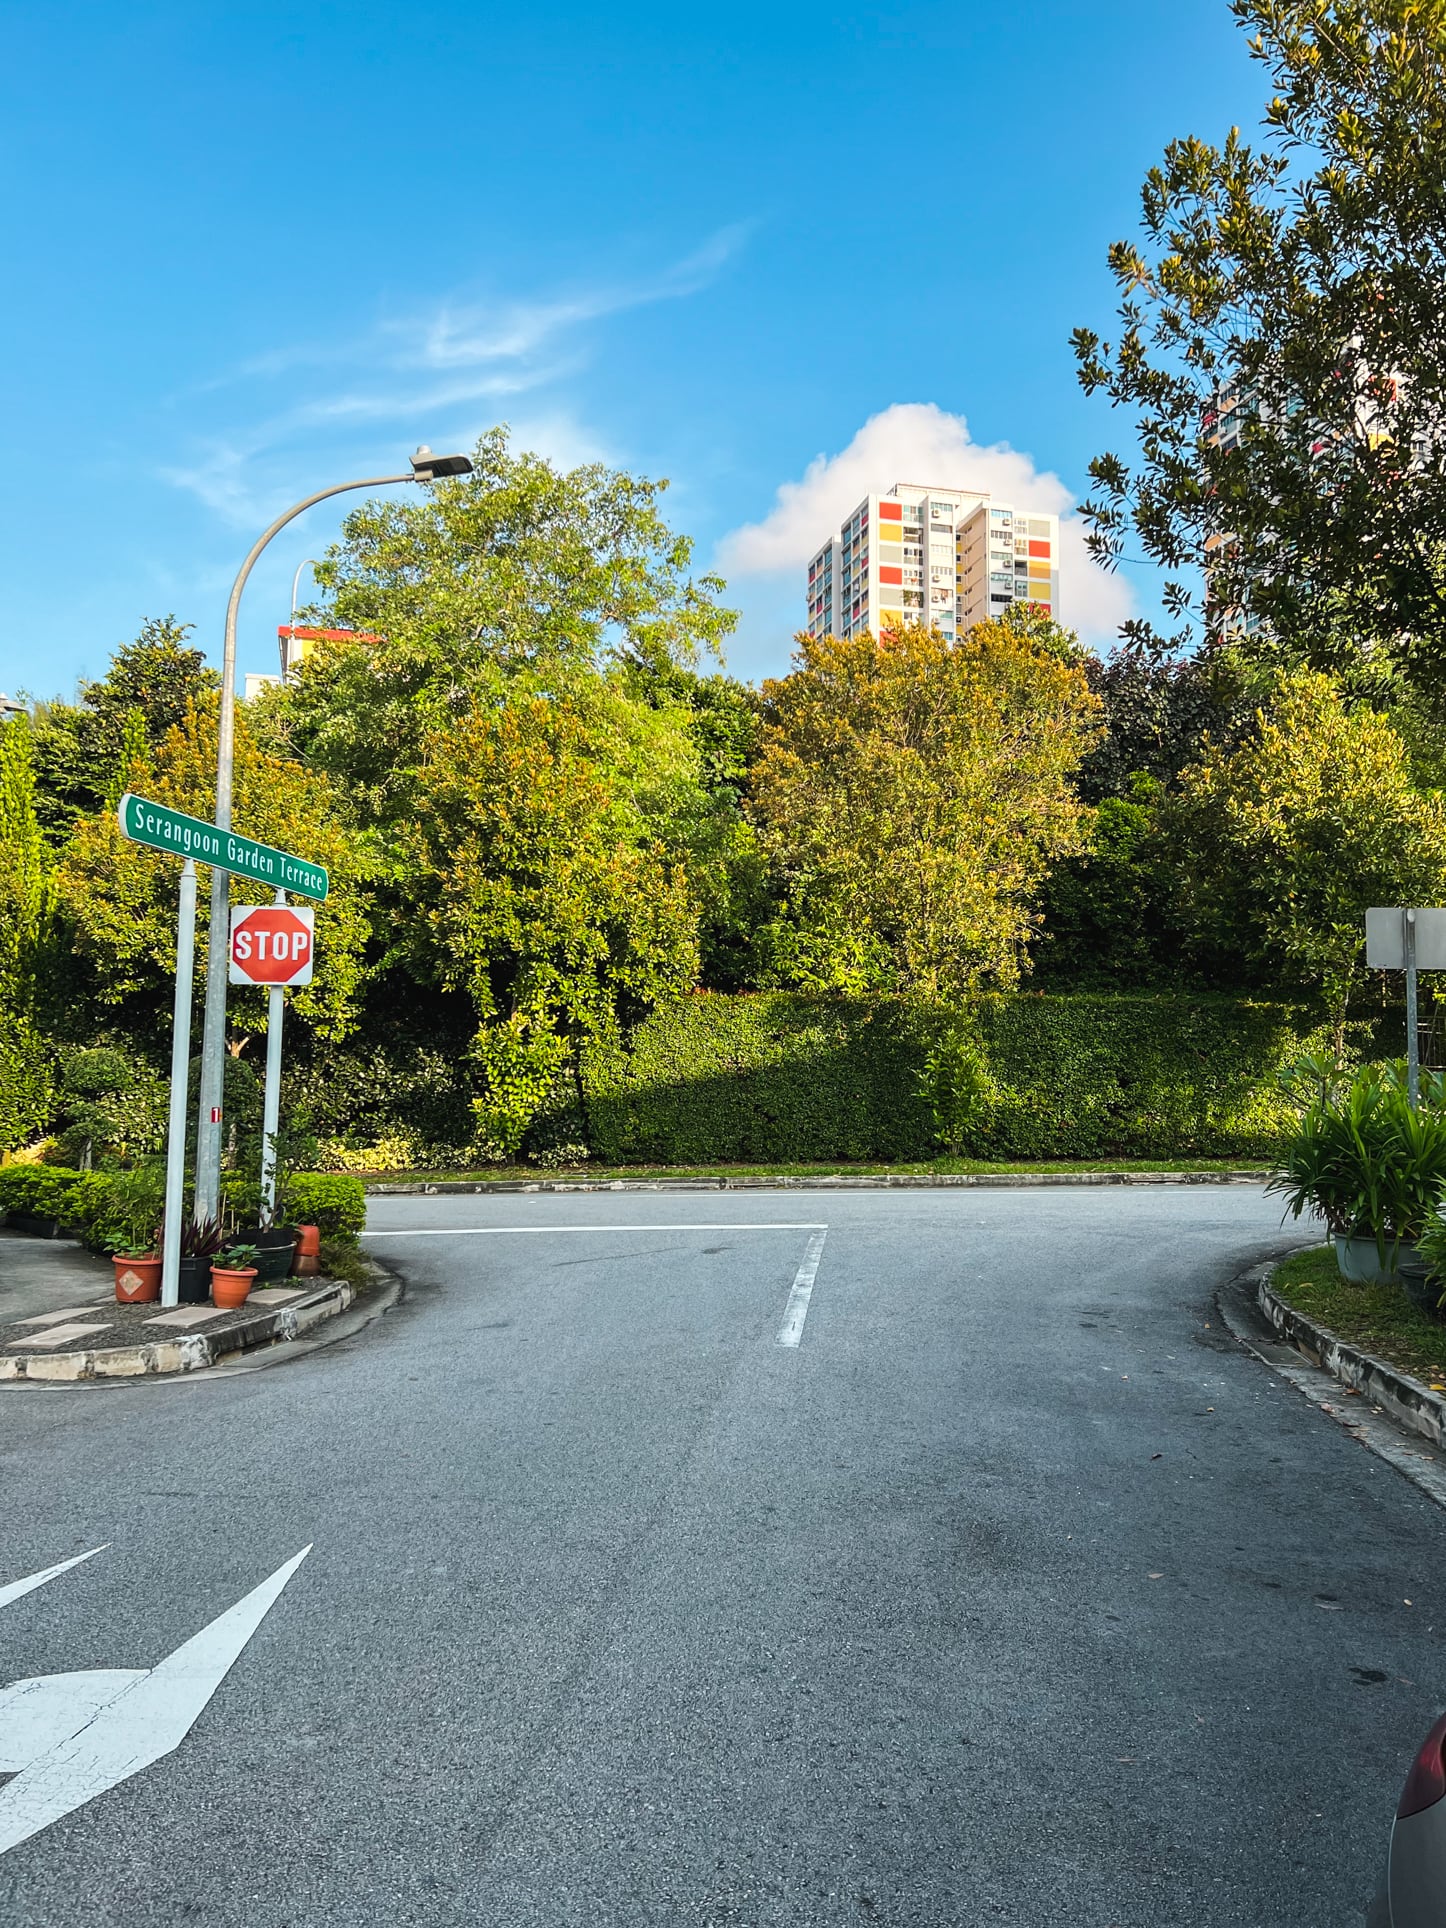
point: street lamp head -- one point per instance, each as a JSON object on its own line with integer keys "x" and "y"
{"x": 426, "y": 467}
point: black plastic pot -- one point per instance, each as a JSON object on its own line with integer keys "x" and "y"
{"x": 275, "y": 1250}
{"x": 1418, "y": 1282}
{"x": 33, "y": 1226}
{"x": 194, "y": 1283}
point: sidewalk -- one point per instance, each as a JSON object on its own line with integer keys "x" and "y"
{"x": 47, "y": 1274}
{"x": 59, "y": 1319}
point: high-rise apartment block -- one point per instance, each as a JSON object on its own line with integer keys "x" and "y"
{"x": 948, "y": 557}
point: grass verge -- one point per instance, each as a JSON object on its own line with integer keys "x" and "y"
{"x": 1377, "y": 1318}
{"x": 600, "y": 1173}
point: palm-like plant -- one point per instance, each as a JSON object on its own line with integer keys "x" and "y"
{"x": 1366, "y": 1161}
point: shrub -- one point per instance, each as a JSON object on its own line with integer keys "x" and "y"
{"x": 1365, "y": 1160}
{"x": 114, "y": 1103}
{"x": 335, "y": 1203}
{"x": 120, "y": 1211}
{"x": 787, "y": 1076}
{"x": 41, "y": 1191}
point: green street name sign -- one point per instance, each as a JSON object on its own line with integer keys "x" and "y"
{"x": 166, "y": 829}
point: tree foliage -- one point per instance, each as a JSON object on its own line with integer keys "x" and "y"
{"x": 1284, "y": 843}
{"x": 1295, "y": 291}
{"x": 915, "y": 793}
{"x": 537, "y": 883}
{"x": 83, "y": 749}
{"x": 119, "y": 898}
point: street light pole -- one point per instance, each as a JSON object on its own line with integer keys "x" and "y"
{"x": 426, "y": 467}
{"x": 307, "y": 562}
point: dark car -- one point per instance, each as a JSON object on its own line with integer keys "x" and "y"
{"x": 1413, "y": 1891}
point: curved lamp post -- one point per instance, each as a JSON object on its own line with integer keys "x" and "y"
{"x": 426, "y": 467}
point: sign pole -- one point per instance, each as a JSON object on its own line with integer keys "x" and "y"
{"x": 271, "y": 1113}
{"x": 180, "y": 1068}
{"x": 1413, "y": 1035}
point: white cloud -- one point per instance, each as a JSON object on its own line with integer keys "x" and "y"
{"x": 919, "y": 442}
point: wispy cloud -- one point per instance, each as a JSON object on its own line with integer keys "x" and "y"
{"x": 443, "y": 361}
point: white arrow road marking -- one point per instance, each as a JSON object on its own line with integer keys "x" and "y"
{"x": 17, "y": 1589}
{"x": 796, "y": 1311}
{"x": 39, "y": 1714}
{"x": 94, "y": 1737}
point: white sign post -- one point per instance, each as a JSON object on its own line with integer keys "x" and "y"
{"x": 1410, "y": 941}
{"x": 273, "y": 945}
{"x": 180, "y": 1064}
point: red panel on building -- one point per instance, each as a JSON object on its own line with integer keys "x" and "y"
{"x": 891, "y": 512}
{"x": 890, "y": 575}
{"x": 1039, "y": 549}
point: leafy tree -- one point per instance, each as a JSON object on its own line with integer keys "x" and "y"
{"x": 1158, "y": 706}
{"x": 1107, "y": 916}
{"x": 518, "y": 570}
{"x": 1285, "y": 841}
{"x": 537, "y": 885}
{"x": 26, "y": 887}
{"x": 26, "y": 931}
{"x": 83, "y": 749}
{"x": 119, "y": 898}
{"x": 1282, "y": 351}
{"x": 915, "y": 793}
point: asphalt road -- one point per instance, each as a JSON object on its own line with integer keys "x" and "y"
{"x": 1013, "y": 1593}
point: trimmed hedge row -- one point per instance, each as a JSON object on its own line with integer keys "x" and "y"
{"x": 771, "y": 1076}
{"x": 334, "y": 1203}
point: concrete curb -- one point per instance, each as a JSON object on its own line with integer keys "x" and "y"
{"x": 882, "y": 1181}
{"x": 1370, "y": 1426}
{"x": 1409, "y": 1403}
{"x": 191, "y": 1351}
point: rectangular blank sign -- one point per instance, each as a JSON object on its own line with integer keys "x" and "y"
{"x": 1386, "y": 942}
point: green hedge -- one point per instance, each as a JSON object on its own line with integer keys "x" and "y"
{"x": 335, "y": 1204}
{"x": 778, "y": 1076}
{"x": 42, "y": 1191}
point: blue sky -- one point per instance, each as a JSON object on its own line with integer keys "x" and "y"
{"x": 256, "y": 249}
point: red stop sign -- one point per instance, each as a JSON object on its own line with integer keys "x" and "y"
{"x": 271, "y": 944}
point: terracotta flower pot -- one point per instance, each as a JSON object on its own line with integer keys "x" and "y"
{"x": 308, "y": 1251}
{"x": 137, "y": 1280}
{"x": 229, "y": 1290}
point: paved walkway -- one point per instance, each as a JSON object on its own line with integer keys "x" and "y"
{"x": 47, "y": 1275}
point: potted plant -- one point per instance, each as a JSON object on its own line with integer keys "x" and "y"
{"x": 200, "y": 1241}
{"x": 233, "y": 1272}
{"x": 1372, "y": 1166}
{"x": 137, "y": 1274}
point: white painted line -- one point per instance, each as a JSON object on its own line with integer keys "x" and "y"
{"x": 493, "y": 1231}
{"x": 98, "y": 1729}
{"x": 18, "y": 1588}
{"x": 796, "y": 1311}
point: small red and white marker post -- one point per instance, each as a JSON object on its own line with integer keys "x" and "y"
{"x": 274, "y": 945}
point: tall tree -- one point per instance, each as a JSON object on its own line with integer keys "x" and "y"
{"x": 518, "y": 570}
{"x": 1285, "y": 841}
{"x": 83, "y": 748}
{"x": 535, "y": 883}
{"x": 915, "y": 793}
{"x": 26, "y": 885}
{"x": 1282, "y": 353}
{"x": 119, "y": 899}
{"x": 27, "y": 1092}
